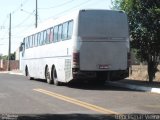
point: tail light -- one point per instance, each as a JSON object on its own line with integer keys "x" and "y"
{"x": 129, "y": 59}
{"x": 76, "y": 59}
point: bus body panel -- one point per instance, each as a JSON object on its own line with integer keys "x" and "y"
{"x": 103, "y": 40}
{"x": 102, "y": 24}
{"x": 43, "y": 56}
{"x": 95, "y": 56}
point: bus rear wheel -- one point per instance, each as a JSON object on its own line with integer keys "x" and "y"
{"x": 54, "y": 77}
{"x": 47, "y": 76}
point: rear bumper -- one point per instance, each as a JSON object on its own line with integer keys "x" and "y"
{"x": 84, "y": 75}
{"x": 113, "y": 75}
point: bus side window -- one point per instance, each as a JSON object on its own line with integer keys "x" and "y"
{"x": 29, "y": 42}
{"x": 41, "y": 39}
{"x": 70, "y": 29}
{"x": 51, "y": 35}
{"x": 55, "y": 34}
{"x": 26, "y": 43}
{"x": 59, "y": 32}
{"x": 45, "y": 37}
{"x": 48, "y": 36}
{"x": 64, "y": 31}
{"x": 35, "y": 40}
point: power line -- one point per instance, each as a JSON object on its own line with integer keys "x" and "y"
{"x": 25, "y": 1}
{"x": 13, "y": 36}
{"x": 4, "y": 35}
{"x": 3, "y": 44}
{"x": 5, "y": 20}
{"x": 19, "y": 7}
{"x": 60, "y": 5}
{"x": 3, "y": 24}
{"x": 70, "y": 9}
{"x": 22, "y": 26}
{"x": 24, "y": 20}
{"x": 15, "y": 43}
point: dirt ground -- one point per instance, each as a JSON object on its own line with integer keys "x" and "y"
{"x": 139, "y": 72}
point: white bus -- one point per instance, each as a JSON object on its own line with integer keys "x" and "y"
{"x": 89, "y": 44}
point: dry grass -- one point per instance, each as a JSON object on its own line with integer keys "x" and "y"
{"x": 139, "y": 72}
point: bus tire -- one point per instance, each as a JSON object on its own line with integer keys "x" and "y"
{"x": 54, "y": 77}
{"x": 47, "y": 76}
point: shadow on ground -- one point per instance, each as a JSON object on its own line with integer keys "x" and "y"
{"x": 96, "y": 86}
{"x": 85, "y": 85}
{"x": 141, "y": 82}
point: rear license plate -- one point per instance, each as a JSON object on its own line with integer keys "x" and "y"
{"x": 104, "y": 66}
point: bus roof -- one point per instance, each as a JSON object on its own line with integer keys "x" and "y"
{"x": 54, "y": 21}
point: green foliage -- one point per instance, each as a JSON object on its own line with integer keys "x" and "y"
{"x": 12, "y": 56}
{"x": 5, "y": 57}
{"x": 144, "y": 23}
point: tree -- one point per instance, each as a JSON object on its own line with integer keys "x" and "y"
{"x": 12, "y": 56}
{"x": 144, "y": 23}
{"x": 4, "y": 57}
{"x": 0, "y": 56}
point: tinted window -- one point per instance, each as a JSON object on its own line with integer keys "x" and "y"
{"x": 36, "y": 40}
{"x": 45, "y": 37}
{"x": 30, "y": 41}
{"x": 39, "y": 38}
{"x": 51, "y": 35}
{"x": 48, "y": 36}
{"x": 59, "y": 32}
{"x": 65, "y": 30}
{"x": 70, "y": 29}
{"x": 55, "y": 33}
{"x": 33, "y": 40}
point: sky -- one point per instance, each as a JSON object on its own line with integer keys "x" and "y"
{"x": 23, "y": 16}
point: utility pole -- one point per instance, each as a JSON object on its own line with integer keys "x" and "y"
{"x": 9, "y": 45}
{"x": 36, "y": 15}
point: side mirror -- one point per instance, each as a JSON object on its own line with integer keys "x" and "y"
{"x": 21, "y": 47}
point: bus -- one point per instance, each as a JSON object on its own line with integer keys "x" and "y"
{"x": 87, "y": 44}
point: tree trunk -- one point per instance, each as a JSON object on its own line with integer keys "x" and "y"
{"x": 152, "y": 69}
